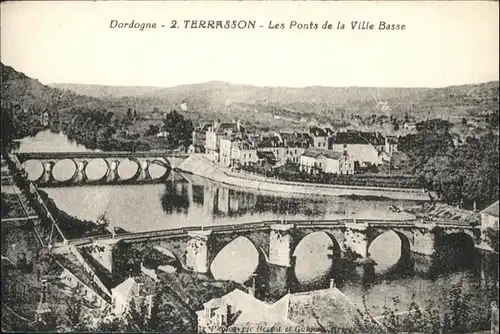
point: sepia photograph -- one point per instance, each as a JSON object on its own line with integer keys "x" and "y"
{"x": 250, "y": 166}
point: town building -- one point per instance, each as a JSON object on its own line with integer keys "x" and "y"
{"x": 285, "y": 146}
{"x": 410, "y": 126}
{"x": 357, "y": 146}
{"x": 243, "y": 153}
{"x": 266, "y": 158}
{"x": 219, "y": 131}
{"x": 319, "y": 136}
{"x": 316, "y": 161}
{"x": 140, "y": 289}
{"x": 325, "y": 310}
{"x": 391, "y": 144}
{"x": 199, "y": 137}
{"x": 489, "y": 222}
{"x": 237, "y": 152}
{"x": 273, "y": 144}
{"x": 295, "y": 144}
{"x": 376, "y": 139}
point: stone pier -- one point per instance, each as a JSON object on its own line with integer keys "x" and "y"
{"x": 357, "y": 239}
{"x": 190, "y": 193}
{"x": 198, "y": 251}
{"x": 424, "y": 239}
{"x": 280, "y": 245}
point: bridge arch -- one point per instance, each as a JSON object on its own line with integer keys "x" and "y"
{"x": 155, "y": 169}
{"x": 384, "y": 261}
{"x": 128, "y": 169}
{"x": 242, "y": 252}
{"x": 161, "y": 252}
{"x": 456, "y": 250}
{"x": 315, "y": 256}
{"x": 65, "y": 170}
{"x": 34, "y": 168}
{"x": 96, "y": 169}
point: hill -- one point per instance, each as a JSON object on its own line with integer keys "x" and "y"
{"x": 221, "y": 97}
{"x": 253, "y": 104}
{"x": 21, "y": 90}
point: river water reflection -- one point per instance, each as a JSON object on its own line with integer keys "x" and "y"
{"x": 194, "y": 201}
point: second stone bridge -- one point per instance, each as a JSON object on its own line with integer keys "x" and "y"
{"x": 195, "y": 249}
{"x": 73, "y": 168}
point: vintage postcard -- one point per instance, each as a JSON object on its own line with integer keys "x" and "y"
{"x": 250, "y": 167}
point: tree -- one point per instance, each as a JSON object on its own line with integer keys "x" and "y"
{"x": 492, "y": 238}
{"x": 129, "y": 113}
{"x": 73, "y": 312}
{"x": 9, "y": 130}
{"x": 179, "y": 128}
{"x": 432, "y": 139}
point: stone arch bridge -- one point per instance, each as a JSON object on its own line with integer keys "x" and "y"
{"x": 74, "y": 168}
{"x": 195, "y": 248}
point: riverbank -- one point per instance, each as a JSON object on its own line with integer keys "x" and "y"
{"x": 200, "y": 165}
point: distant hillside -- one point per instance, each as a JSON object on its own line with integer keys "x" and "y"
{"x": 221, "y": 97}
{"x": 21, "y": 90}
{"x": 254, "y": 104}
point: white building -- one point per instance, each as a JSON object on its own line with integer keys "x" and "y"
{"x": 243, "y": 153}
{"x": 358, "y": 148}
{"x": 236, "y": 151}
{"x": 314, "y": 161}
{"x": 123, "y": 294}
{"x": 391, "y": 144}
{"x": 220, "y": 131}
{"x": 489, "y": 220}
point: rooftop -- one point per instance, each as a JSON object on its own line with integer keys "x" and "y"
{"x": 125, "y": 288}
{"x": 223, "y": 127}
{"x": 317, "y": 153}
{"x": 318, "y": 132}
{"x": 272, "y": 141}
{"x": 266, "y": 155}
{"x": 354, "y": 137}
{"x": 492, "y": 209}
{"x": 327, "y": 308}
{"x": 324, "y": 310}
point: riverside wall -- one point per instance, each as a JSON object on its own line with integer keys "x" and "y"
{"x": 201, "y": 165}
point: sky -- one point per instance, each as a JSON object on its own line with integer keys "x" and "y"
{"x": 445, "y": 43}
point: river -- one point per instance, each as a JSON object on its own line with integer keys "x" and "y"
{"x": 193, "y": 201}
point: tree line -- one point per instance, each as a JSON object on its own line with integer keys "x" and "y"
{"x": 461, "y": 173}
{"x": 98, "y": 128}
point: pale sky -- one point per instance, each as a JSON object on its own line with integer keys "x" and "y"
{"x": 445, "y": 43}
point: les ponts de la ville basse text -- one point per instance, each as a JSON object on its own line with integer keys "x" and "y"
{"x": 358, "y": 25}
